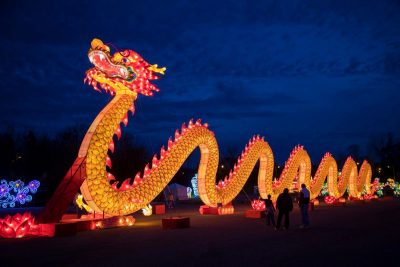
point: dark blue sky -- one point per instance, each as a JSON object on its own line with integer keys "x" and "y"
{"x": 325, "y": 74}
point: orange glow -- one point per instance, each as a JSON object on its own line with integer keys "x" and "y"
{"x": 258, "y": 204}
{"x": 125, "y": 75}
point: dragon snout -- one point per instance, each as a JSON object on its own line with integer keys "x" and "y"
{"x": 101, "y": 60}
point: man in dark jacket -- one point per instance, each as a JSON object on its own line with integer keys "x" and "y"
{"x": 303, "y": 203}
{"x": 284, "y": 205}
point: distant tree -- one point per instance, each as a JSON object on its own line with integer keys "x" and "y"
{"x": 386, "y": 150}
{"x": 8, "y": 154}
{"x": 128, "y": 158}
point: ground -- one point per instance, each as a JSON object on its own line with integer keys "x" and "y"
{"x": 359, "y": 234}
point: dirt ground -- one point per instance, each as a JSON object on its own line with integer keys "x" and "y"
{"x": 360, "y": 234}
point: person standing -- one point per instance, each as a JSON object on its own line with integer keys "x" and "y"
{"x": 270, "y": 211}
{"x": 171, "y": 203}
{"x": 303, "y": 203}
{"x": 284, "y": 205}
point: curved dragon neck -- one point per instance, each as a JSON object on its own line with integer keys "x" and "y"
{"x": 97, "y": 140}
{"x": 111, "y": 113}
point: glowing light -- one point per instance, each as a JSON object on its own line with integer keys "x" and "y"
{"x": 148, "y": 210}
{"x": 324, "y": 190}
{"x": 378, "y": 187}
{"x": 369, "y": 196}
{"x": 16, "y": 192}
{"x": 194, "y": 185}
{"x": 225, "y": 210}
{"x": 81, "y": 204}
{"x": 16, "y": 226}
{"x": 329, "y": 199}
{"x": 258, "y": 204}
{"x": 189, "y": 192}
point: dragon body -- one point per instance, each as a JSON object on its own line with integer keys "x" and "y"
{"x": 125, "y": 75}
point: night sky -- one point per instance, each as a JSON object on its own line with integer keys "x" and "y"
{"x": 325, "y": 74}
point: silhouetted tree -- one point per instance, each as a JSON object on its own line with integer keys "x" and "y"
{"x": 385, "y": 150}
{"x": 8, "y": 155}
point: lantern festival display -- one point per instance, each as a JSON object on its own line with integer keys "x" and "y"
{"x": 16, "y": 192}
{"x": 17, "y": 226}
{"x": 147, "y": 210}
{"x": 125, "y": 75}
{"x": 81, "y": 204}
{"x": 258, "y": 204}
{"x": 379, "y": 188}
{"x": 193, "y": 181}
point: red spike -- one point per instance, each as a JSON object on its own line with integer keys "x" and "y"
{"x": 125, "y": 119}
{"x": 136, "y": 180}
{"x": 110, "y": 177}
{"x": 94, "y": 83}
{"x": 154, "y": 161}
{"x": 114, "y": 185}
{"x": 162, "y": 152}
{"x": 170, "y": 143}
{"x": 146, "y": 170}
{"x": 126, "y": 184}
{"x": 205, "y": 125}
{"x": 198, "y": 122}
{"x": 177, "y": 135}
{"x": 132, "y": 109}
{"x": 118, "y": 132}
{"x": 108, "y": 162}
{"x": 183, "y": 127}
{"x": 190, "y": 124}
{"x": 111, "y": 147}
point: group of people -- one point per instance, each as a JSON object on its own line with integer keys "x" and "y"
{"x": 284, "y": 205}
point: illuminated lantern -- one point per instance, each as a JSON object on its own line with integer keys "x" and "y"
{"x": 225, "y": 210}
{"x": 15, "y": 192}
{"x": 148, "y": 210}
{"x": 129, "y": 220}
{"x": 258, "y": 204}
{"x": 16, "y": 226}
{"x": 329, "y": 200}
{"x": 194, "y": 186}
{"x": 80, "y": 203}
{"x": 369, "y": 196}
{"x": 125, "y": 75}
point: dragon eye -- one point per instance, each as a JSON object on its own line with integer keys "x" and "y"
{"x": 125, "y": 60}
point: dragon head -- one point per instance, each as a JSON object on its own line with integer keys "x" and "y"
{"x": 122, "y": 71}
